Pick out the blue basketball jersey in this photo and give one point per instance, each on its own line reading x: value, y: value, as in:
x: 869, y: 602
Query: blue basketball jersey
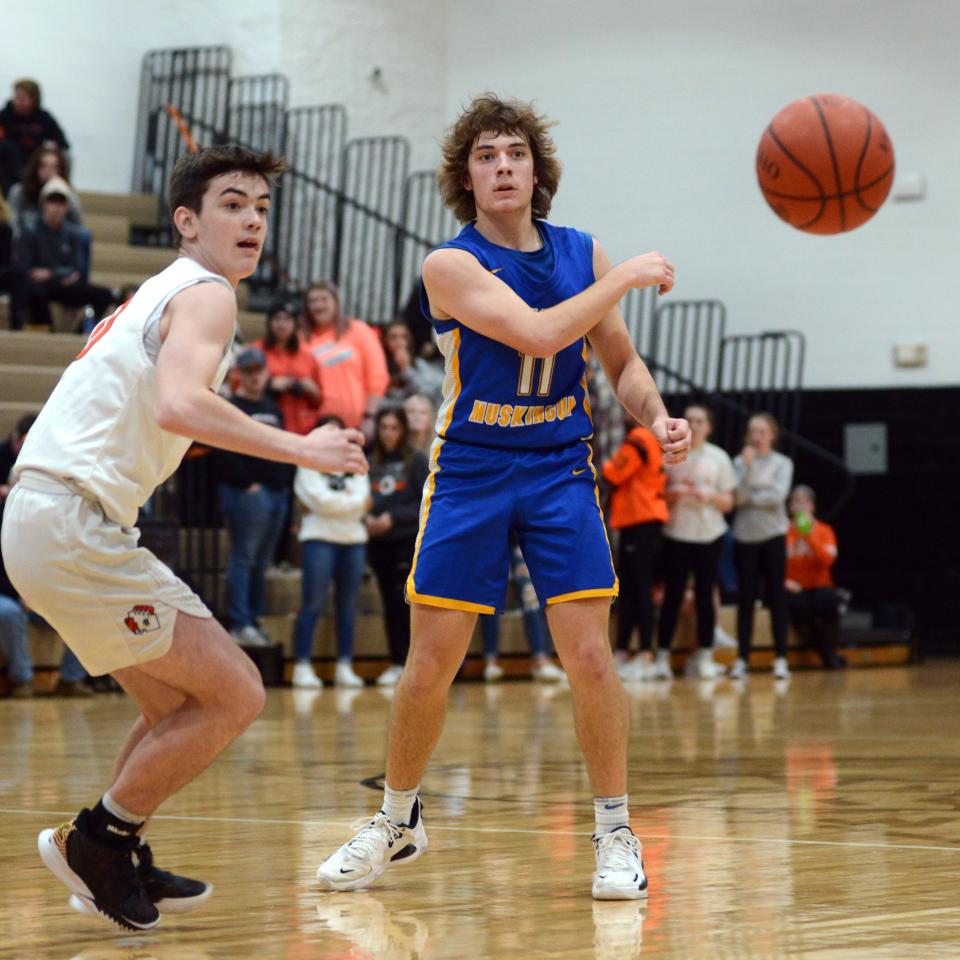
x: 492, y: 394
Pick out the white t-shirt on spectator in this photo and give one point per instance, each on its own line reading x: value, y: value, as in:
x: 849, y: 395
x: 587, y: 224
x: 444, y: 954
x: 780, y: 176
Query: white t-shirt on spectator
x: 707, y: 467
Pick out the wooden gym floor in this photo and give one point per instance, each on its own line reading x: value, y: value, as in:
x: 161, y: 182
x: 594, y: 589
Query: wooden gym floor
x: 817, y: 819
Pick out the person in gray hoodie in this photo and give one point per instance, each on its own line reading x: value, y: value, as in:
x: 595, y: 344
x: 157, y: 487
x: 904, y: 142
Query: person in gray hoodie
x: 759, y: 529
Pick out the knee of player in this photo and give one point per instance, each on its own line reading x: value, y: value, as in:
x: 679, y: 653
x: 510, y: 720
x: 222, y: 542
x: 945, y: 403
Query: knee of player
x: 590, y: 661
x: 424, y: 675
x: 246, y: 701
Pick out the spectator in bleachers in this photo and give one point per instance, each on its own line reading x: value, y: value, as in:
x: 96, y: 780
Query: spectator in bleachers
x: 24, y: 127
x: 699, y: 493
x: 294, y: 373
x: 52, y: 254
x: 638, y: 509
x: 24, y: 196
x: 13, y: 281
x: 534, y: 626
x: 397, y: 475
x: 10, y: 450
x: 759, y: 529
x: 333, y: 541
x: 409, y: 373
x: 421, y: 418
x: 811, y: 595
x: 353, y: 369
x: 254, y: 495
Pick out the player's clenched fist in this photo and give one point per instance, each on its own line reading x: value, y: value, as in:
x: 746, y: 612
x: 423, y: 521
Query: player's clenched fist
x: 331, y: 449
x: 673, y: 435
x: 652, y: 270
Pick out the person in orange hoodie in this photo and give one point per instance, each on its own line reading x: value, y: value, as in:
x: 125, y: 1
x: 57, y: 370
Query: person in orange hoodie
x: 638, y: 509
x: 813, y: 604
x: 353, y: 367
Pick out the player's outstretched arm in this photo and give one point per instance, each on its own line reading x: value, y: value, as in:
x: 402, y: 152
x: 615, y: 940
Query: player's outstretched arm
x: 196, y: 327
x: 631, y: 380
x: 458, y: 286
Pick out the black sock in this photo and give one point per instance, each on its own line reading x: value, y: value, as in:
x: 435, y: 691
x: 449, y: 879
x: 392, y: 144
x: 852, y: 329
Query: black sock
x: 102, y: 826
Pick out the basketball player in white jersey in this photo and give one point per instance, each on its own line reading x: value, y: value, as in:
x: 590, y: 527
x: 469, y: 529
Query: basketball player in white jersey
x: 116, y: 426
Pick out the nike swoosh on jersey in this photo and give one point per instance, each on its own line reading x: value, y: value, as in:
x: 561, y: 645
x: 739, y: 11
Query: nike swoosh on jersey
x: 496, y: 269
x: 577, y: 473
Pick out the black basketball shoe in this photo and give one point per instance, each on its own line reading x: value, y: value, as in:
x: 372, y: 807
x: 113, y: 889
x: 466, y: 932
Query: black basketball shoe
x: 169, y: 893
x: 102, y: 877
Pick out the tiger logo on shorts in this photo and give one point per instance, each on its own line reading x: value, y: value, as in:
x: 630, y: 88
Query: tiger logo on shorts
x: 142, y: 619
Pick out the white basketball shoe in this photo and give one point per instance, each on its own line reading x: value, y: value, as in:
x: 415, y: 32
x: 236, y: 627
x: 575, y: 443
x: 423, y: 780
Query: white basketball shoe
x: 619, y: 874
x: 379, y: 844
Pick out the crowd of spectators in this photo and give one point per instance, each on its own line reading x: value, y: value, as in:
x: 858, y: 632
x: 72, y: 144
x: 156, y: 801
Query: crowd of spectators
x: 671, y: 521
x: 315, y: 365
x: 672, y: 524
x: 44, y: 246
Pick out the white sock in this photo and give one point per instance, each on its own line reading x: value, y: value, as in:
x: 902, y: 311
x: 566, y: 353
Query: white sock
x: 121, y: 813
x: 610, y: 813
x: 398, y: 804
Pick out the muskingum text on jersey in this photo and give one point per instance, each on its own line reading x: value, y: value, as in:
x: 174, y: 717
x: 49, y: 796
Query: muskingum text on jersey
x: 520, y: 415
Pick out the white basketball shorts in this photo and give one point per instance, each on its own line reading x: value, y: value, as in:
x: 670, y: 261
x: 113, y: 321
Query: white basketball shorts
x: 113, y: 603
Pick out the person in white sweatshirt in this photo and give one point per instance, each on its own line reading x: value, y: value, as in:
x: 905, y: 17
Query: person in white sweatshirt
x: 333, y: 539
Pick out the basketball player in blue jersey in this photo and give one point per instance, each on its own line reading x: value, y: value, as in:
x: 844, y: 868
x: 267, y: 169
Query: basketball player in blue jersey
x: 512, y: 298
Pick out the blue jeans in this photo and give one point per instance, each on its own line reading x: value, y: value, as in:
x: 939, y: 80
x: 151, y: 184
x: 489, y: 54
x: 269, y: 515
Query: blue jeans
x: 71, y: 669
x: 13, y: 641
x: 343, y: 563
x: 533, y: 627
x: 255, y: 521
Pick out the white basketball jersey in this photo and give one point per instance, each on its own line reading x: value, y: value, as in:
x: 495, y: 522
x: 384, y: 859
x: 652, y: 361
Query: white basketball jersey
x: 99, y: 427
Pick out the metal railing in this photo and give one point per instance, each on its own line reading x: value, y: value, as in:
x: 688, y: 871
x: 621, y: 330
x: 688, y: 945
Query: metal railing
x: 346, y: 210
x: 639, y: 308
x: 764, y: 371
x: 306, y: 223
x: 423, y: 216
x: 687, y: 337
x: 370, y: 205
x: 195, y: 81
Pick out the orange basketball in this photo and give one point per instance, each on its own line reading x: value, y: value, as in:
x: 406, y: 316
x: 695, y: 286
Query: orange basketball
x: 825, y: 164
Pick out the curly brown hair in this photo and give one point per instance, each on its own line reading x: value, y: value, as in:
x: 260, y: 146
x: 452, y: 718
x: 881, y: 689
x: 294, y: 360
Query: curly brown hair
x: 487, y: 113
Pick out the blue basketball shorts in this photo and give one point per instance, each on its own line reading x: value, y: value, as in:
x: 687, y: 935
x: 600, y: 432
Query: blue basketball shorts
x: 475, y: 496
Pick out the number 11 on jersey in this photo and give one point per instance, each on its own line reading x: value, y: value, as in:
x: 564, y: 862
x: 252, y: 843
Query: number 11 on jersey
x: 528, y: 366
